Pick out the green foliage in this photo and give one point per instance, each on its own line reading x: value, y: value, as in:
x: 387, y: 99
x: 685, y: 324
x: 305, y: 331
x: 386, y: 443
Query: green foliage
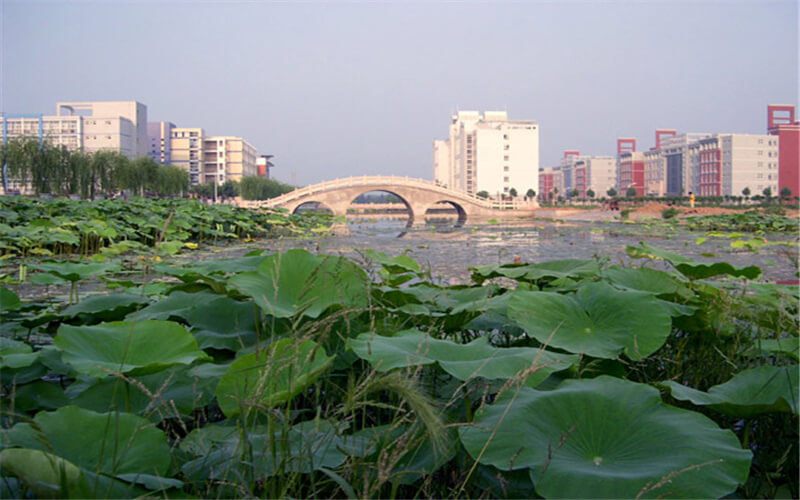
x: 482, y: 194
x: 669, y: 213
x: 530, y: 193
x: 590, y: 193
x: 50, y: 169
x: 512, y: 192
x: 259, y: 188
x: 611, y: 192
x: 309, y: 376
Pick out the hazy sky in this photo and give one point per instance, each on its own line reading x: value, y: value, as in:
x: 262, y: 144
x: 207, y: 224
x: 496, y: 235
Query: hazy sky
x: 356, y: 88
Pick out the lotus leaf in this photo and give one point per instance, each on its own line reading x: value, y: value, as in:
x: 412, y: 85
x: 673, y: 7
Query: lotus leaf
x: 46, y: 475
x: 597, y: 320
x: 175, y: 305
x: 15, y: 354
x: 690, y: 268
x: 106, y: 307
x: 410, y: 348
x: 788, y: 346
x: 172, y: 392
x: 271, y: 376
x: 550, y: 270
x: 607, y: 438
x: 645, y: 280
x: 297, y: 282
x: 75, y: 271
x: 120, y: 346
x: 759, y: 390
x: 110, y: 443
x: 8, y: 300
x: 306, y: 447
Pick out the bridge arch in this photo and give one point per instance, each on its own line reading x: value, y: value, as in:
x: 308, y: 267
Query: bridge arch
x: 417, y: 194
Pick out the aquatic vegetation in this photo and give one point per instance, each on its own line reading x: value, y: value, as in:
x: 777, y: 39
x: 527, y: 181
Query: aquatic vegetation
x: 299, y: 375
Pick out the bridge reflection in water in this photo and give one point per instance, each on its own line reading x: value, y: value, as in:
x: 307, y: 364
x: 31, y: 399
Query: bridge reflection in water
x: 417, y: 195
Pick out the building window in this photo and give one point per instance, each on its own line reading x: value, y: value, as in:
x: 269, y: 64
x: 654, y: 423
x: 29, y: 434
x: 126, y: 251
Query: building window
x: 505, y: 179
x: 506, y: 147
x: 505, y: 158
x: 505, y: 168
x: 505, y: 137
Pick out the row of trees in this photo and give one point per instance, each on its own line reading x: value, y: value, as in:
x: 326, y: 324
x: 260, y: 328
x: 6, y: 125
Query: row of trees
x: 51, y: 169
x: 250, y: 188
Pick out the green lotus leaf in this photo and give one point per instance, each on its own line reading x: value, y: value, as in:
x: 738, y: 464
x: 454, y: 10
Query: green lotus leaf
x: 46, y: 475
x: 306, y: 447
x: 107, y: 307
x: 75, y: 271
x: 690, y: 268
x: 645, y: 280
x: 211, y: 268
x: 175, y: 305
x: 788, y: 346
x: 550, y: 270
x: 127, y: 347
x: 39, y: 395
x: 597, y: 320
x: 16, y: 354
x: 8, y: 300
x: 272, y: 375
x: 173, y: 392
x: 607, y: 438
x: 410, y: 348
x: 297, y: 282
x: 110, y: 443
x: 759, y: 390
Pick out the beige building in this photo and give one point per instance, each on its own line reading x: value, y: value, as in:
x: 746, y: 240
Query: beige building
x: 211, y: 158
x: 488, y: 153
x: 726, y: 164
x: 227, y: 158
x: 88, y: 126
x: 601, y: 174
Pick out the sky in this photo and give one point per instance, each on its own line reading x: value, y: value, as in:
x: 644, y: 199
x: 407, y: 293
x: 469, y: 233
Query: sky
x: 334, y: 89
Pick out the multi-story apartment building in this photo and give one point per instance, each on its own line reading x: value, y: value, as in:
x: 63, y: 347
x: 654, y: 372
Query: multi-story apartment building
x: 212, y: 158
x: 630, y: 168
x: 677, y: 163
x: 227, y: 158
x: 488, y: 153
x: 725, y: 164
x: 781, y: 123
x: 87, y: 126
x: 186, y: 151
x: 551, y: 183
x: 601, y: 174
x: 159, y: 138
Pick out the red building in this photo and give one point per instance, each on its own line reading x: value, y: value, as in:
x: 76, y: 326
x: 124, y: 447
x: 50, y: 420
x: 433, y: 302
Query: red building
x: 781, y: 122
x: 710, y: 168
x: 630, y: 167
x: 579, y: 178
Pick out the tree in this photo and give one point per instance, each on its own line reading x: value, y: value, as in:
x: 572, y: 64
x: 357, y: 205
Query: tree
x: 746, y: 193
x: 590, y: 193
x: 612, y: 193
x: 574, y: 193
x: 482, y: 194
x: 530, y: 194
x: 630, y: 192
x: 229, y: 189
x: 767, y: 192
x: 259, y: 188
x: 786, y: 192
x: 512, y: 192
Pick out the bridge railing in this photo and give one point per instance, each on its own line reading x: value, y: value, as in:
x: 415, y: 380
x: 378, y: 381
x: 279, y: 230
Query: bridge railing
x: 367, y: 180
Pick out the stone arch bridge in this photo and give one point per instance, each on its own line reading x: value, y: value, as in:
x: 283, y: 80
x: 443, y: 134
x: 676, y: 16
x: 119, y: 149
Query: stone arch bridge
x: 418, y: 195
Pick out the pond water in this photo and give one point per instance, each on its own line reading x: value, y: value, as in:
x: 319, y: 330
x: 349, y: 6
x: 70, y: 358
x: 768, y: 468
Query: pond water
x: 448, y: 251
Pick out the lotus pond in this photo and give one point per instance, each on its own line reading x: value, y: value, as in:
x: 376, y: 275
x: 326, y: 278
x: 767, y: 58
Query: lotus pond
x: 636, y: 370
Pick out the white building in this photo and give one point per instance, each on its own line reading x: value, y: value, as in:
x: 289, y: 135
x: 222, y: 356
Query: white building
x: 212, y: 158
x: 88, y: 126
x: 726, y: 164
x: 488, y: 153
x: 159, y: 137
x: 601, y: 174
x: 676, y: 164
